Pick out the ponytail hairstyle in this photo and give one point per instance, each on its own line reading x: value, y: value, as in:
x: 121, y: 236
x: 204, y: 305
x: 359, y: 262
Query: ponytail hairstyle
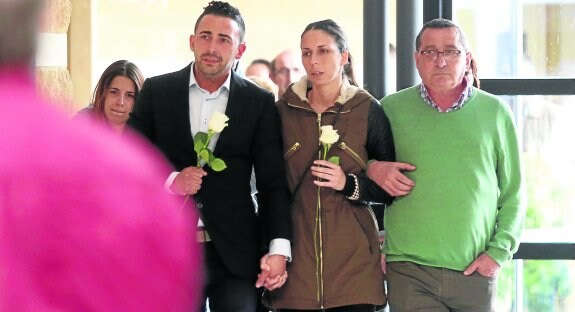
x: 472, y: 72
x: 332, y: 28
x: 348, y: 70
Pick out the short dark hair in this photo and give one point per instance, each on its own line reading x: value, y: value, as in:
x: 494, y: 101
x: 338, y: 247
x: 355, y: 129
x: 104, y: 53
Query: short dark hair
x: 18, y: 30
x: 439, y: 23
x: 221, y: 8
x: 263, y: 62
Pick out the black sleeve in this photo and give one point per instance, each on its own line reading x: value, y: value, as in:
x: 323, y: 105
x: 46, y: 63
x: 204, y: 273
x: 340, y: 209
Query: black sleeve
x: 141, y: 117
x: 271, y: 178
x: 379, y: 147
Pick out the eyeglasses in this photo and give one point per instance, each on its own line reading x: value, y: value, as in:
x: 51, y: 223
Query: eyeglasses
x: 448, y: 55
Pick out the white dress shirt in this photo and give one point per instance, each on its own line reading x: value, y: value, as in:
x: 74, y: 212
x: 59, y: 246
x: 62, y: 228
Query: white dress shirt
x: 202, y: 105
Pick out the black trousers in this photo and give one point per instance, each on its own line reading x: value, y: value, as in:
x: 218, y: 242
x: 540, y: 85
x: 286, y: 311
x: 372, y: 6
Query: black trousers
x: 350, y: 308
x: 226, y: 292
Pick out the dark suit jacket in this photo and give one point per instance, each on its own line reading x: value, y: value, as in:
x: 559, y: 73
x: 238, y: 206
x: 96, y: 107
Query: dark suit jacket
x: 252, y: 138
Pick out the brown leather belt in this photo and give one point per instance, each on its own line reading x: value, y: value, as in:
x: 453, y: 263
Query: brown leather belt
x: 202, y: 236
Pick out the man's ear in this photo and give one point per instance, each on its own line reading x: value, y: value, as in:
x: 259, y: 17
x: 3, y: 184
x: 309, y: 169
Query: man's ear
x: 241, y: 50
x: 192, y: 38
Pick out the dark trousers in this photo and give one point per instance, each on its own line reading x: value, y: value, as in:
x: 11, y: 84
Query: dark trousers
x: 413, y: 287
x: 350, y: 308
x: 261, y: 306
x: 226, y: 292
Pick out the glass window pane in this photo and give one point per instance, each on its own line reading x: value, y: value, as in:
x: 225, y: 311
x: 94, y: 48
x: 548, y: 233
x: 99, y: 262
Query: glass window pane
x: 546, y: 128
x: 546, y: 286
x: 520, y: 38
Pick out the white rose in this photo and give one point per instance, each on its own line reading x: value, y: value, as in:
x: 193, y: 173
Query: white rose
x: 328, y: 135
x: 218, y: 122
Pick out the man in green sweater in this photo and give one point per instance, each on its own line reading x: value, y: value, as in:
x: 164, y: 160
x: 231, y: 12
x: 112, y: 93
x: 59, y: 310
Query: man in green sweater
x: 459, y: 215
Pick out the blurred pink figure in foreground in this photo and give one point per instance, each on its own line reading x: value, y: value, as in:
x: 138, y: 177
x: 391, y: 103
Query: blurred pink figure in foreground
x: 85, y: 224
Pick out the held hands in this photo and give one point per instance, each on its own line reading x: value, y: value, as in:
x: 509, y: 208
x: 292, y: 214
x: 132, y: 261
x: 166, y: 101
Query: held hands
x: 329, y: 174
x: 188, y: 181
x: 484, y: 265
x: 273, y: 274
x: 383, y: 264
x: 389, y: 176
x: 382, y: 260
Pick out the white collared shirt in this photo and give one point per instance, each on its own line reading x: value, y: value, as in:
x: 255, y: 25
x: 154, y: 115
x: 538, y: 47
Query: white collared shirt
x: 201, y: 106
x: 203, y: 103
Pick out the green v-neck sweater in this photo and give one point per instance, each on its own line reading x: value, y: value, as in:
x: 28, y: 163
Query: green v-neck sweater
x: 467, y: 197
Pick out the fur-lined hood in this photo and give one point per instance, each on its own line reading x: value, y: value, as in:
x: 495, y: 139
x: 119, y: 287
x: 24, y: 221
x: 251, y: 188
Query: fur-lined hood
x: 349, y: 95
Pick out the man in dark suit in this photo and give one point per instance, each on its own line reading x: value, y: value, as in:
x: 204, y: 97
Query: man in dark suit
x: 171, y: 108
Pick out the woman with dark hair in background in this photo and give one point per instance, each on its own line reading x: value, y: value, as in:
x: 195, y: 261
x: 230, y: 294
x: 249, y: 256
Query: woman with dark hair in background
x: 115, y: 94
